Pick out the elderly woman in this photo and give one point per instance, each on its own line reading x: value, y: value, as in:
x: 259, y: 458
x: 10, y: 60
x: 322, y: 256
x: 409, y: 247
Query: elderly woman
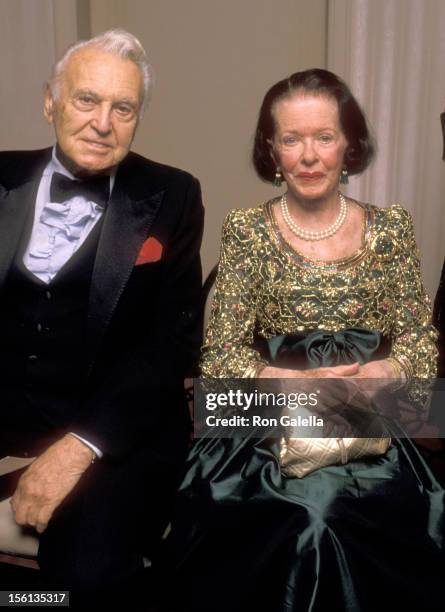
x: 362, y: 536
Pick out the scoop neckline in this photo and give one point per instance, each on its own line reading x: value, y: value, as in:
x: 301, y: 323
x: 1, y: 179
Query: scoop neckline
x: 328, y: 265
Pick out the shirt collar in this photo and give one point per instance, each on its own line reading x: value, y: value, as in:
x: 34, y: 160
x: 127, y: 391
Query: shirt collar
x: 55, y: 165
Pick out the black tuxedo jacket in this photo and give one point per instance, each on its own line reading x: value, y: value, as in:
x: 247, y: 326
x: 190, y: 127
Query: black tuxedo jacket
x: 143, y: 328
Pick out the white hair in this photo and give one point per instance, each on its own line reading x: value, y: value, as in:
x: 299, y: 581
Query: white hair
x: 120, y: 43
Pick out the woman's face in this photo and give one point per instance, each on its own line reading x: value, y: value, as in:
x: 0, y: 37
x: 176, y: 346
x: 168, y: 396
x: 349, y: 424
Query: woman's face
x: 309, y: 145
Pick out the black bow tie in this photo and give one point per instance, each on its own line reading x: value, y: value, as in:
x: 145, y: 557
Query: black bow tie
x: 94, y: 188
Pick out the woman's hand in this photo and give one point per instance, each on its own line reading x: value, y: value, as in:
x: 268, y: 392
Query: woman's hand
x: 333, y: 372
x: 376, y: 369
x: 332, y: 396
x: 378, y: 375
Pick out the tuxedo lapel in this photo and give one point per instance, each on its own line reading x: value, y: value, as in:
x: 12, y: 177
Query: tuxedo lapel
x: 15, y: 205
x: 126, y: 226
x: 18, y: 193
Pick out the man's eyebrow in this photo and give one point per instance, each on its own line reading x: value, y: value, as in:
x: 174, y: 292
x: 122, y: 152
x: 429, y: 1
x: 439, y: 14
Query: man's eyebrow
x: 131, y: 102
x: 90, y: 92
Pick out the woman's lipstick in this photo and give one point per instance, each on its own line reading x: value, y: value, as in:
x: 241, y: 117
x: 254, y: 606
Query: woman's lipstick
x: 310, y: 176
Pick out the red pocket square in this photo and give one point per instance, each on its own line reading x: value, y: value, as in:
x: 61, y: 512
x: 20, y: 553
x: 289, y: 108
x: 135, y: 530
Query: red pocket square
x: 151, y: 251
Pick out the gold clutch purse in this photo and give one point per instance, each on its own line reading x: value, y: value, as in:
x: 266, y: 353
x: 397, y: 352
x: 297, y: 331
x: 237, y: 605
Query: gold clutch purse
x: 301, y: 456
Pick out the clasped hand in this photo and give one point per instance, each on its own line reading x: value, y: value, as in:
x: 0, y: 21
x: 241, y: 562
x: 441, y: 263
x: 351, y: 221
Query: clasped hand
x: 344, y: 399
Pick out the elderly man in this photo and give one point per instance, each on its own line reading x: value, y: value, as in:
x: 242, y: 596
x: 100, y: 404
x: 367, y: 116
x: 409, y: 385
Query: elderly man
x: 100, y: 280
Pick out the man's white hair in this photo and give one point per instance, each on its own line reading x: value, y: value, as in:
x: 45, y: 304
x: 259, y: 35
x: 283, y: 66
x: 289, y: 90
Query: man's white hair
x: 119, y: 42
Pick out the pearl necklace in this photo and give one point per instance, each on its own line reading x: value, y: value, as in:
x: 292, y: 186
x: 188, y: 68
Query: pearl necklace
x: 309, y: 235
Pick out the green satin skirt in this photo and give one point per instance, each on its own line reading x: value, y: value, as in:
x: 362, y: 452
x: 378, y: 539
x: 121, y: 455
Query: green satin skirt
x: 366, y: 536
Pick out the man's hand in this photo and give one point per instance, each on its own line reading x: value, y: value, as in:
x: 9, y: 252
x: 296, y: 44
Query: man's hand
x: 48, y: 480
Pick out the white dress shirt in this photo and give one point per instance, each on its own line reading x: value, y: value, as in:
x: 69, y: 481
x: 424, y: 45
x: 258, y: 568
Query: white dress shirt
x: 59, y: 228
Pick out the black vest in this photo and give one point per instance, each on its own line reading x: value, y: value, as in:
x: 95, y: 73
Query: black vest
x: 43, y: 343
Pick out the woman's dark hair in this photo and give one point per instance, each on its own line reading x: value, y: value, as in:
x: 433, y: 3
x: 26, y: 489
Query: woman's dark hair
x: 360, y: 149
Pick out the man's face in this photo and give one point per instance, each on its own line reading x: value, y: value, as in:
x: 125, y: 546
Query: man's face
x: 96, y: 113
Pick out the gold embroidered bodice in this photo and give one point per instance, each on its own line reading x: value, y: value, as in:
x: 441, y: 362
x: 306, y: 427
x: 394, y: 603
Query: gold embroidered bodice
x: 265, y: 287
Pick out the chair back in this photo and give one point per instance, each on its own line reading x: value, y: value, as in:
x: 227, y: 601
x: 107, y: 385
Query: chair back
x: 14, y: 539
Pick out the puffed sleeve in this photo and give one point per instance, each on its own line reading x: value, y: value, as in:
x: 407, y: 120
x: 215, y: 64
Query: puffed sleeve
x: 414, y: 337
x: 227, y: 350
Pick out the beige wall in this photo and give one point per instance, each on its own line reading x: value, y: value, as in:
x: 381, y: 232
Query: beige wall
x: 33, y: 33
x: 214, y: 61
